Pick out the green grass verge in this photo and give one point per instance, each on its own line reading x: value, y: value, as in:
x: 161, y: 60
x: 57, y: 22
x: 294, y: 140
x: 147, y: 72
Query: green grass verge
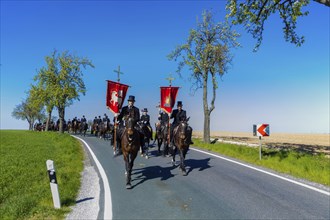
x: 315, y: 168
x: 25, y: 190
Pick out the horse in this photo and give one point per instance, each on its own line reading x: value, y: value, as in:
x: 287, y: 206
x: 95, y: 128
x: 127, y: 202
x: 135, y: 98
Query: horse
x: 75, y: 126
x: 162, y: 137
x: 83, y: 128
x: 105, y: 129
x: 181, y: 140
x: 38, y: 127
x: 119, y: 131
x: 130, y: 144
x: 145, y: 138
x: 94, y: 129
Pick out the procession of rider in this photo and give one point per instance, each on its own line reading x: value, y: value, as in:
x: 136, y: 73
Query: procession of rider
x: 145, y: 119
x: 163, y: 120
x: 179, y: 115
x: 126, y: 111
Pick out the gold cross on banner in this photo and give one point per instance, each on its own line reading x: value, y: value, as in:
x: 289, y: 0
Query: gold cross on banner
x: 170, y: 79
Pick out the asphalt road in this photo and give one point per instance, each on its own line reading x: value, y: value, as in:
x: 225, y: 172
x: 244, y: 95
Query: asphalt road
x: 214, y: 188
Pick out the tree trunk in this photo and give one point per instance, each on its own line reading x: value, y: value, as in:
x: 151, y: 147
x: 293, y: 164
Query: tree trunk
x: 61, y: 113
x: 30, y: 125
x: 48, y: 120
x: 31, y: 122
x: 206, y: 133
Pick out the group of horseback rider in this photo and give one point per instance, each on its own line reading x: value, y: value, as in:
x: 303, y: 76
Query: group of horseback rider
x: 177, y: 115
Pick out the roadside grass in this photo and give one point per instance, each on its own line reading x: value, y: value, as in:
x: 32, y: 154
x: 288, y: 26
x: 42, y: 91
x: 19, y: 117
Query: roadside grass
x: 315, y: 168
x: 25, y: 189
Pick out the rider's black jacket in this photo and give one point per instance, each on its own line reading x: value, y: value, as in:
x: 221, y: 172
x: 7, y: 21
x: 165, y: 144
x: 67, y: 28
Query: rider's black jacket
x: 125, y: 111
x: 178, y: 116
x: 163, y: 117
x: 145, y: 119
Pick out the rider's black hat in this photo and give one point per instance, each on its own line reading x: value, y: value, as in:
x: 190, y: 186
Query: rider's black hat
x: 145, y: 110
x: 179, y: 103
x: 131, y: 98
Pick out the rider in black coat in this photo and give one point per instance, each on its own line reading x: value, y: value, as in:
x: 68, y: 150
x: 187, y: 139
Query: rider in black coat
x: 179, y: 115
x: 163, y: 118
x: 126, y: 110
x: 145, y: 118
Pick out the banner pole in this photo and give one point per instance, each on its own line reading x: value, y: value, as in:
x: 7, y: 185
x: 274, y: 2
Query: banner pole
x: 115, y: 136
x: 169, y: 129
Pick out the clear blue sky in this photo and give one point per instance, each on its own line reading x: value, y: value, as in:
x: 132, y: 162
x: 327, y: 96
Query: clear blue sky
x: 283, y: 85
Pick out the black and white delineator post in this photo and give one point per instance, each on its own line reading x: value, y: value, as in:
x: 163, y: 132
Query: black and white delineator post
x: 53, y: 183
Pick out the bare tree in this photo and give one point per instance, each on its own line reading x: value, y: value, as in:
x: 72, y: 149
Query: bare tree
x: 207, y: 54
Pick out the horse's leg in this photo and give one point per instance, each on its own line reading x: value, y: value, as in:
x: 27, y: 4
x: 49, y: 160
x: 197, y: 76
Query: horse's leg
x: 146, y: 147
x: 166, y: 149
x: 128, y: 170
x: 182, y: 166
x: 141, y: 145
x: 173, y: 154
x: 160, y: 142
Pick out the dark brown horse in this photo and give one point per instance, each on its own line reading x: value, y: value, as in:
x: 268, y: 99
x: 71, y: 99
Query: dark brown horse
x: 75, y: 126
x: 182, y: 138
x: 145, y: 135
x: 162, y: 131
x: 130, y: 144
x: 83, y: 128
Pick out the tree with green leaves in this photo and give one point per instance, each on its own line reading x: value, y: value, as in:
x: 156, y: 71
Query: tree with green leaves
x: 30, y: 109
x: 207, y: 55
x: 44, y: 87
x: 253, y: 14
x: 62, y: 81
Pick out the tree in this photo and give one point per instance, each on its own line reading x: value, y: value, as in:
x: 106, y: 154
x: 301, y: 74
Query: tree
x: 206, y: 53
x: 28, y: 110
x: 45, y: 79
x: 253, y: 14
x: 62, y: 80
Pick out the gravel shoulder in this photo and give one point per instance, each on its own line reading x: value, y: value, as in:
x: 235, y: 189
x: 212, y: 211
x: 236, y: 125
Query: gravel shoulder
x: 87, y: 203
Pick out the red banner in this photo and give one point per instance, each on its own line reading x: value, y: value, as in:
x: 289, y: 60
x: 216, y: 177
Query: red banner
x: 116, y: 93
x: 167, y: 98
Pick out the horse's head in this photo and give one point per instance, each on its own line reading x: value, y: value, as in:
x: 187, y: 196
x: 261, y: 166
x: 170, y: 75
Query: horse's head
x: 182, y: 129
x: 129, y: 124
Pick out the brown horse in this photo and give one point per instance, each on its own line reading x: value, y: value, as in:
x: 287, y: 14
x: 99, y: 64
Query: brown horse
x: 162, y: 131
x: 75, y: 126
x: 83, y: 128
x: 145, y: 134
x: 182, y: 138
x: 130, y: 144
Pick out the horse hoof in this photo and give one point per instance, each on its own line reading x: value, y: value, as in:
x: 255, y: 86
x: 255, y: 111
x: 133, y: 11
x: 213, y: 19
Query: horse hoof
x: 184, y: 173
x: 128, y: 186
x: 147, y: 157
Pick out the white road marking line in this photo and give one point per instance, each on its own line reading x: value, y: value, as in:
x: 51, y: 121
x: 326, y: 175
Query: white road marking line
x: 106, y: 186
x: 263, y: 171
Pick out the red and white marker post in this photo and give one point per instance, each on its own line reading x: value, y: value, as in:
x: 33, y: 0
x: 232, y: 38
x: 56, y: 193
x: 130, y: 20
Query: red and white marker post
x: 261, y: 130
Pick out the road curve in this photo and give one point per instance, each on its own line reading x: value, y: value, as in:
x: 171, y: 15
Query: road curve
x: 214, y: 188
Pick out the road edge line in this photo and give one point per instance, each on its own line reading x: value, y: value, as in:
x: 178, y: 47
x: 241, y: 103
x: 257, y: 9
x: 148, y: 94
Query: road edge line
x: 106, y: 186
x: 266, y: 172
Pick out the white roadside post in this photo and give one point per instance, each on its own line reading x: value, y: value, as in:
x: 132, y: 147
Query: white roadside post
x: 260, y: 130
x: 53, y: 183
